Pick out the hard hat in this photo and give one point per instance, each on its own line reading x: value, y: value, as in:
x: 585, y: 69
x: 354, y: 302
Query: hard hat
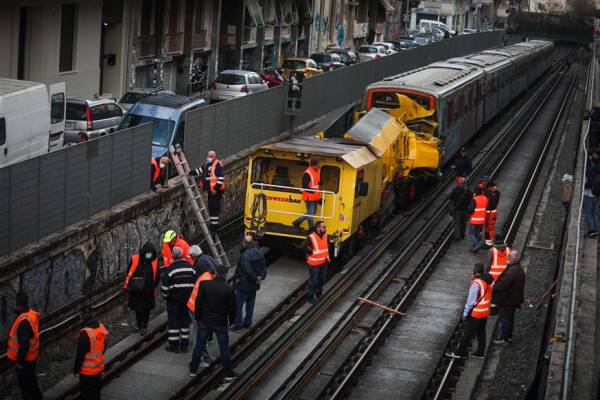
x: 169, y: 236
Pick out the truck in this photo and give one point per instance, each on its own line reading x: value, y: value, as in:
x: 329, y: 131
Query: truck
x: 32, y: 119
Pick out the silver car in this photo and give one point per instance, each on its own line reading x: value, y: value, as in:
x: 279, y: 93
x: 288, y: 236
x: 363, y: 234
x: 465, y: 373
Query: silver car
x: 231, y: 84
x: 92, y: 118
x: 372, y: 52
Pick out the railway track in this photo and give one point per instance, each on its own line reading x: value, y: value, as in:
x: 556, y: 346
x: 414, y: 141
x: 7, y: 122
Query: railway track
x: 355, y: 360
x: 267, y: 326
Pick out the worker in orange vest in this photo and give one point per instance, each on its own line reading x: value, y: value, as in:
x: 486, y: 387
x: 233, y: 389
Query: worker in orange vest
x: 475, y: 313
x: 212, y: 181
x: 24, y: 347
x: 499, y: 257
x: 311, y: 195
x: 140, y: 282
x: 158, y: 172
x: 477, y: 218
x: 89, y: 359
x: 317, y: 256
x: 493, y: 195
x: 170, y: 241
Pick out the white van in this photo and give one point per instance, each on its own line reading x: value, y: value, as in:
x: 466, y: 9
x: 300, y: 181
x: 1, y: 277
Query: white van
x: 32, y: 119
x: 426, y: 23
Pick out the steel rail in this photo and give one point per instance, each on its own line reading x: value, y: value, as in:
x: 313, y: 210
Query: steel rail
x: 300, y: 376
x: 516, y: 212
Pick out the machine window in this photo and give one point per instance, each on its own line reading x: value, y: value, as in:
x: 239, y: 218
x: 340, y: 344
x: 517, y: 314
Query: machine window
x: 288, y: 173
x: 2, y: 131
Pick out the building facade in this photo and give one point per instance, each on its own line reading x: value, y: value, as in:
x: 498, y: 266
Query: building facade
x: 105, y: 47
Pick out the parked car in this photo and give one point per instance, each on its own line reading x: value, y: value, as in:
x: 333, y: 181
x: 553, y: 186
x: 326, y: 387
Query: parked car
x: 412, y: 33
x: 424, y: 23
x: 405, y: 43
x: 468, y: 31
x: 348, y: 57
x: 422, y: 39
x: 32, y: 119
x: 327, y: 61
x: 95, y: 118
x: 234, y: 83
x: 435, y: 33
x: 134, y: 95
x: 305, y: 65
x: 166, y: 113
x: 273, y: 76
x: 390, y: 48
x: 371, y: 52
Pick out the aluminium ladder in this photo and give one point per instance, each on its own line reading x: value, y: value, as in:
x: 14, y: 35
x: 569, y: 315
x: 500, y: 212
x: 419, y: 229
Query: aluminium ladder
x: 198, y: 204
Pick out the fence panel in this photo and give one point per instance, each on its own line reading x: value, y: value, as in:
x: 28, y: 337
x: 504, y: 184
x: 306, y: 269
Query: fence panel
x: 46, y: 194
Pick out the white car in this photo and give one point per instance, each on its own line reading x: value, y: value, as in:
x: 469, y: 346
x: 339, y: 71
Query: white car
x: 371, y: 52
x: 231, y: 84
x: 389, y: 47
x: 468, y: 31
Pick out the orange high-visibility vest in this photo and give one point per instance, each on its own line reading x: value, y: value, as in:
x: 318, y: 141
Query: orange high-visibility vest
x: 315, y: 179
x: 156, y: 170
x: 93, y: 362
x: 482, y: 307
x: 135, y: 260
x: 191, y: 304
x: 33, y: 318
x: 213, y: 179
x: 168, y: 253
x: 499, y: 262
x: 478, y: 216
x: 320, y: 250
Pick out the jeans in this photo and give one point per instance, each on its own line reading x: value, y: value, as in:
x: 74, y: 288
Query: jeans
x: 590, y: 207
x: 241, y: 298
x: 506, y: 318
x: 317, y: 276
x: 460, y: 221
x: 202, y: 337
x: 474, y: 327
x: 475, y: 234
x: 311, y: 209
x: 28, y: 381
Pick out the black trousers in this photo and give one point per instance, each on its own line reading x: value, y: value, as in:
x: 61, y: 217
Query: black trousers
x: 90, y: 386
x: 214, y: 208
x: 28, y: 381
x: 473, y: 327
x: 179, y: 324
x: 460, y: 221
x: 506, y: 318
x: 142, y: 318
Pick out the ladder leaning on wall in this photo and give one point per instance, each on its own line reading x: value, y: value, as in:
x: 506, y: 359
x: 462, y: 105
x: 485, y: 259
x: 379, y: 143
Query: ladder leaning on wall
x: 198, y: 205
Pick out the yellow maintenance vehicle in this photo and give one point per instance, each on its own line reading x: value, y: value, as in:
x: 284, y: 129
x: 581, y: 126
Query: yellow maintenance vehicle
x: 365, y: 174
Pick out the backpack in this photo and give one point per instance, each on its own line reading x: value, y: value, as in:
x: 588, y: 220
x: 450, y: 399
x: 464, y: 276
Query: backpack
x: 595, y: 185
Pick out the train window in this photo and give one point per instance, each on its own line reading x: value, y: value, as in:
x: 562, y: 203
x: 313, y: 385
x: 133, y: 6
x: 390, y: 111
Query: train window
x: 467, y: 100
x: 459, y: 106
x: 449, y: 113
x: 330, y: 178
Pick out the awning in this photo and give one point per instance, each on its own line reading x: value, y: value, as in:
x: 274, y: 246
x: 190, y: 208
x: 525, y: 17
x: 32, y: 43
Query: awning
x: 387, y: 5
x: 254, y: 11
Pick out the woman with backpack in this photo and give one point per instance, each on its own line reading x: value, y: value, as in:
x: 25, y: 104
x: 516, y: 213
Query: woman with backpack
x: 141, y: 282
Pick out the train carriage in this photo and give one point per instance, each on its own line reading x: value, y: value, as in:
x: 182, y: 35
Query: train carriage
x: 453, y: 91
x: 519, y: 63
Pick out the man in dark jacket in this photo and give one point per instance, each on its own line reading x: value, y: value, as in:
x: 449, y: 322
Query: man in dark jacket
x: 250, y: 272
x: 463, y: 165
x: 215, y: 310
x: 177, y: 285
x: 460, y: 199
x: 508, y: 296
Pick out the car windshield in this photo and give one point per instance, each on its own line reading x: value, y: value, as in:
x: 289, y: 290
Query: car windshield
x: 294, y: 64
x: 76, y: 111
x: 231, y: 79
x: 161, y: 128
x: 132, y: 97
x: 370, y: 50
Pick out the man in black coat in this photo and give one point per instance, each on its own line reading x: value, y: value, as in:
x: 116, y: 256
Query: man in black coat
x: 250, y: 272
x: 463, y: 165
x: 508, y: 296
x: 460, y: 199
x: 215, y: 310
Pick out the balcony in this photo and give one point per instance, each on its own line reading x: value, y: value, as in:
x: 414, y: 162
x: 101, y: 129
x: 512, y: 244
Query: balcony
x: 269, y: 33
x: 146, y: 46
x: 200, y: 40
x: 249, y: 35
x: 174, y: 43
x: 286, y: 32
